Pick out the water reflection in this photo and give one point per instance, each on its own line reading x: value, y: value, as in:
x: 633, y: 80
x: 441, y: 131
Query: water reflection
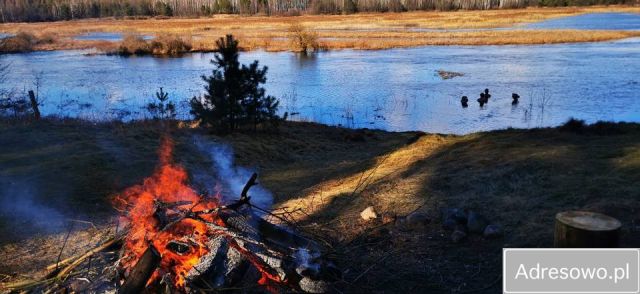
x: 592, y: 21
x: 395, y: 89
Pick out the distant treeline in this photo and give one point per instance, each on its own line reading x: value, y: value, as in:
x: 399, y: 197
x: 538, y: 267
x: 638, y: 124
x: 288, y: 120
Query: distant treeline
x: 49, y: 10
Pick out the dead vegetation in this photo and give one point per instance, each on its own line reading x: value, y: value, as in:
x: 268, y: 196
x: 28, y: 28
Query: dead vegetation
x: 25, y: 42
x: 520, y: 178
x: 354, y: 31
x: 445, y: 75
x: 303, y: 40
x: 163, y: 45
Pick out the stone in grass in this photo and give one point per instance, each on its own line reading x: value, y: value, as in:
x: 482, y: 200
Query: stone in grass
x: 451, y: 217
x: 417, y: 219
x: 368, y: 213
x: 413, y: 221
x: 458, y: 236
x: 476, y: 223
x: 493, y: 231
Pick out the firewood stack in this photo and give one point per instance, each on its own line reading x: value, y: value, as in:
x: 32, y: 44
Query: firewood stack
x: 245, y: 252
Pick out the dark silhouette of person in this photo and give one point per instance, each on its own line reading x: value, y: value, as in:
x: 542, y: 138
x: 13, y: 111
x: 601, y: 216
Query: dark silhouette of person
x: 464, y: 100
x: 482, y: 100
x: 515, y: 98
x: 487, y: 95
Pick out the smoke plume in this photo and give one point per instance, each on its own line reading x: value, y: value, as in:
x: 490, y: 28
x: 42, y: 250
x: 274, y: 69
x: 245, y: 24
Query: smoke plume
x: 230, y: 178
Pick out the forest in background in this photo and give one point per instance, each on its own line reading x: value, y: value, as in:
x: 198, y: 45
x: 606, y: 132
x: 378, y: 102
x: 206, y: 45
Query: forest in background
x: 52, y: 10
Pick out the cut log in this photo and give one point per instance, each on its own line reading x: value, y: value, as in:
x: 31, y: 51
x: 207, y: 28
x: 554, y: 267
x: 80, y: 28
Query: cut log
x: 141, y: 272
x: 583, y: 229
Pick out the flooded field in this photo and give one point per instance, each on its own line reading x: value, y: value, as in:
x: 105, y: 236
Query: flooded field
x: 397, y: 89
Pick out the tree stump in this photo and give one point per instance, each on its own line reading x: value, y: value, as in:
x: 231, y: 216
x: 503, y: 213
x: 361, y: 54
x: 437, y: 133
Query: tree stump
x: 34, y: 105
x: 583, y: 229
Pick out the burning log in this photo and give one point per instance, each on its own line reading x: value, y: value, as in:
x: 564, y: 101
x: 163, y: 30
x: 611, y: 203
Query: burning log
x: 199, y: 244
x: 141, y: 272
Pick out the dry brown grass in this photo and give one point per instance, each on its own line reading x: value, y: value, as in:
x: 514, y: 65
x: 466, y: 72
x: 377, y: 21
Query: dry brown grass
x: 163, y: 45
x: 26, y: 41
x: 357, y: 31
x: 517, y: 178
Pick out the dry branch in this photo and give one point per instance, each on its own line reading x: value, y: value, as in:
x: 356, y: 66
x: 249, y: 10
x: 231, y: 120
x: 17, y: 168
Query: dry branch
x: 65, y: 271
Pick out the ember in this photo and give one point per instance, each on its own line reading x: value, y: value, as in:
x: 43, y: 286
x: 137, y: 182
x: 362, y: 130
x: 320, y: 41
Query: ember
x: 182, y: 240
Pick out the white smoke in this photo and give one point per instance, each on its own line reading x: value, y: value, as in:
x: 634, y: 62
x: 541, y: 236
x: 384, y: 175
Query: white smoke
x: 230, y: 178
x: 304, y: 258
x: 20, y: 206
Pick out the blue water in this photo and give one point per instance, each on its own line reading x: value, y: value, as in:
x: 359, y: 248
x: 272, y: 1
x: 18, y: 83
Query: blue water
x: 591, y: 21
x: 102, y: 36
x: 395, y: 89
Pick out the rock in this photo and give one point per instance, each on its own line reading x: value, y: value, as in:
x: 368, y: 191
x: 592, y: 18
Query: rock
x: 493, y: 231
x: 452, y: 217
x: 476, y: 223
x: 458, y: 236
x: 413, y: 221
x: 368, y: 213
x: 449, y: 224
x: 417, y: 219
x: 309, y: 285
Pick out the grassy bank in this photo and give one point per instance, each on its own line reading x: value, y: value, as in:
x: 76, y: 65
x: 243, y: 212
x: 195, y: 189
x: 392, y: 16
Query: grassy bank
x: 357, y: 31
x: 518, y: 178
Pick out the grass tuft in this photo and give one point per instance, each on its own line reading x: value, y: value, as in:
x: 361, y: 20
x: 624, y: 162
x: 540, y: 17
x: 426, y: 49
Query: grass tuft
x: 164, y: 45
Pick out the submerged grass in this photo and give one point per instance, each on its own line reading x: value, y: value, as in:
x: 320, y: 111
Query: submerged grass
x: 518, y: 178
x: 356, y: 31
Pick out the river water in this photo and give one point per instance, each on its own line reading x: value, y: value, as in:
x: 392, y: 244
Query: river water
x: 397, y: 89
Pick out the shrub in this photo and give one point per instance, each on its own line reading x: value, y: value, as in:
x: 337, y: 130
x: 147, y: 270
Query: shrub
x: 169, y: 45
x: 16, y: 106
x: 162, y: 108
x: 574, y: 126
x: 234, y: 95
x: 133, y: 44
x: 303, y: 40
x: 21, y: 42
x: 162, y: 45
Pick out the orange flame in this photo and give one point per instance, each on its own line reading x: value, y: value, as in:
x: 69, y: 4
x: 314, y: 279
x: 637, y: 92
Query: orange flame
x: 167, y: 192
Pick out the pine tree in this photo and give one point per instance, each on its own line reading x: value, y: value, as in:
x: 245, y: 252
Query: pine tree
x: 234, y: 95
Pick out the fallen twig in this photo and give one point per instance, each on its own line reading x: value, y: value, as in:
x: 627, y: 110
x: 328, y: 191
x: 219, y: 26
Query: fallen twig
x: 64, y: 244
x: 64, y: 272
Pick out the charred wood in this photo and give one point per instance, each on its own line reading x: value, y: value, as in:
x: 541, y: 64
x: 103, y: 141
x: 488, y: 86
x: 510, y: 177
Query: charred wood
x: 141, y: 272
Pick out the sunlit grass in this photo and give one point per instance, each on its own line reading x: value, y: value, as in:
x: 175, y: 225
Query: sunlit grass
x: 358, y: 31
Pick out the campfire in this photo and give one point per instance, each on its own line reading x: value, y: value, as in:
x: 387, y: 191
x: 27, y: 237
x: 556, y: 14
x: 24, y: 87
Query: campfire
x: 182, y: 240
